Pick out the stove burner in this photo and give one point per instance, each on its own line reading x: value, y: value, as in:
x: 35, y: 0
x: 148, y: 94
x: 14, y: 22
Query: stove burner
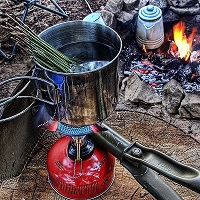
x: 86, y: 150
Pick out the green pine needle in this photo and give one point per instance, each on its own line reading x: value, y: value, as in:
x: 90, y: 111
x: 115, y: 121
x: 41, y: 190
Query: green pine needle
x: 45, y: 54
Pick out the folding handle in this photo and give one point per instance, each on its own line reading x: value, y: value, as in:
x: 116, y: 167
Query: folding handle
x: 136, y: 154
x: 114, y: 143
x: 165, y: 165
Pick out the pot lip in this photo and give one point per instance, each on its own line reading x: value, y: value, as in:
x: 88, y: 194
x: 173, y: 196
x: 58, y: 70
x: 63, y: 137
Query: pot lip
x: 87, y: 72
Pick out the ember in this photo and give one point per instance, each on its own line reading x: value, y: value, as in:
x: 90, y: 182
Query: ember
x: 176, y: 59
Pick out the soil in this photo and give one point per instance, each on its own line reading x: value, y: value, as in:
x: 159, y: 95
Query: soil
x: 145, y: 129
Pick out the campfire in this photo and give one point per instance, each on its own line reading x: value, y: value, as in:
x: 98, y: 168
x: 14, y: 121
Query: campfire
x: 182, y: 45
x: 175, y: 59
x: 163, y: 81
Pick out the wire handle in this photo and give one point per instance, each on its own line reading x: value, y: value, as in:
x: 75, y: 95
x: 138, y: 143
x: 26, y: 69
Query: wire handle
x: 18, y: 95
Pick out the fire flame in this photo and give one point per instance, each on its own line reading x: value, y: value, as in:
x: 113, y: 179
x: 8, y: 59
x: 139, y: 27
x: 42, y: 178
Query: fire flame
x: 183, y: 43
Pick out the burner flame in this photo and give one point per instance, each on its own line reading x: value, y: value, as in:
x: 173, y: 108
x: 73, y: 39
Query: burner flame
x: 183, y: 43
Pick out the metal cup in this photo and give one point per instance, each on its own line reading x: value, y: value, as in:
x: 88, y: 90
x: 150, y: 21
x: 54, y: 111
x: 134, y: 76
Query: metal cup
x: 91, y: 96
x: 94, y: 17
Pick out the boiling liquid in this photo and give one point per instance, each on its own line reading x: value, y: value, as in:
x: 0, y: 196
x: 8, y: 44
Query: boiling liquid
x: 88, y: 66
x: 93, y: 55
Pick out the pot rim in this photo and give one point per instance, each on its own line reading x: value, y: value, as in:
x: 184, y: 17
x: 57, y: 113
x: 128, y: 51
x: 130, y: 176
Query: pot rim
x: 90, y: 71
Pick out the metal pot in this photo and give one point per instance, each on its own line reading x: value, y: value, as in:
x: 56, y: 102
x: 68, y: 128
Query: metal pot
x: 89, y: 96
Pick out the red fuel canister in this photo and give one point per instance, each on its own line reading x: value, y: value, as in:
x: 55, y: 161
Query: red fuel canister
x: 85, y: 179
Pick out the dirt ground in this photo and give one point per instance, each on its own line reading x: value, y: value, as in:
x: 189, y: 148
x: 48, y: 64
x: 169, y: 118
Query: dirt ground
x: 32, y: 183
x: 38, y: 20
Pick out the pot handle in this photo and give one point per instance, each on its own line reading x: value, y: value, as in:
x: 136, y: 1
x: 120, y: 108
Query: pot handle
x: 138, y: 155
x: 18, y: 95
x: 165, y: 165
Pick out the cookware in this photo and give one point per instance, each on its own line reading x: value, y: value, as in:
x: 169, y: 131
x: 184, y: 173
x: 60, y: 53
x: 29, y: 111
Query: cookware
x: 150, y: 31
x: 88, y: 94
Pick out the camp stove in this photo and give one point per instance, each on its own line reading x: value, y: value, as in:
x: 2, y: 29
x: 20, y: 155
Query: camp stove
x: 78, y: 168
x: 81, y: 163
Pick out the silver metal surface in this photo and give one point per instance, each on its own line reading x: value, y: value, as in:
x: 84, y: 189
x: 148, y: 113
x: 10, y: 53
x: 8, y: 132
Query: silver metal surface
x: 21, y: 132
x: 90, y: 96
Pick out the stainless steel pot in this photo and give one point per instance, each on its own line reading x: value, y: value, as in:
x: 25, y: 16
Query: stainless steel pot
x: 90, y: 96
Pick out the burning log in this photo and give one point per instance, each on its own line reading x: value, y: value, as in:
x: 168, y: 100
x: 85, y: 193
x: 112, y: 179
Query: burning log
x: 183, y: 44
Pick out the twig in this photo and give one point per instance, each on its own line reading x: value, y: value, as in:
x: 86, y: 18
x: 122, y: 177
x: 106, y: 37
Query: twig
x: 43, y: 53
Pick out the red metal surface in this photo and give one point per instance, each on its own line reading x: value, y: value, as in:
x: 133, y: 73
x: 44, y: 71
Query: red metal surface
x: 70, y: 181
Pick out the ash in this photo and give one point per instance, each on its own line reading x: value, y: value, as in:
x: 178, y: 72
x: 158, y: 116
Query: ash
x: 156, y: 68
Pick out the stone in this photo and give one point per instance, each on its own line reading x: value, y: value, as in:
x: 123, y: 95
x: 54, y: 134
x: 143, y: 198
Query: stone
x: 182, y: 3
x: 190, y: 106
x: 172, y: 95
x: 195, y: 127
x: 114, y: 6
x: 125, y: 17
x: 170, y: 16
x: 109, y: 18
x: 137, y: 91
x: 191, y: 21
x: 143, y: 193
x: 159, y: 3
x: 195, y: 19
x: 194, y: 10
x: 3, y: 20
x: 130, y: 5
x: 142, y: 4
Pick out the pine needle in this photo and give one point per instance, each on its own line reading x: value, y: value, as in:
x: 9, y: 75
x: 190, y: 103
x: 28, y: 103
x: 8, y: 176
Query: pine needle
x: 42, y: 52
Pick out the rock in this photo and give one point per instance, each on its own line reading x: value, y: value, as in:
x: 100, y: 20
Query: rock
x: 137, y: 91
x: 172, y: 95
x: 142, y: 4
x: 159, y: 3
x: 109, y: 18
x: 182, y: 3
x: 114, y: 6
x: 186, y: 10
x: 125, y: 17
x: 191, y: 21
x: 195, y: 127
x: 190, y: 106
x: 143, y: 193
x: 130, y: 5
x: 3, y: 20
x: 170, y: 16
